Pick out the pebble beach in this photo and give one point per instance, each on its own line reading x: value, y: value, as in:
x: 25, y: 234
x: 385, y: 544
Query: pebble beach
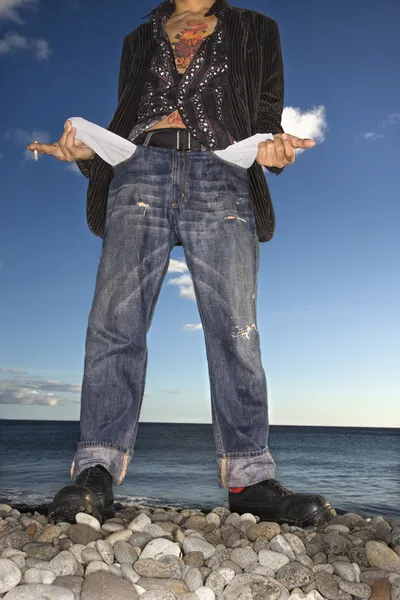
x: 168, y: 554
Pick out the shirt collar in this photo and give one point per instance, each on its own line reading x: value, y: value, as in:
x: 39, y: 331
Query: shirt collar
x: 167, y: 7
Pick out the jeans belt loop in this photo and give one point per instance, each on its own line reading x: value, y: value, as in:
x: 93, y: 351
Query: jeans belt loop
x: 148, y: 138
x: 177, y: 139
x: 189, y: 140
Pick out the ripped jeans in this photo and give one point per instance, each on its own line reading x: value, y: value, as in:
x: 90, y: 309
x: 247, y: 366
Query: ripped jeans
x: 159, y: 198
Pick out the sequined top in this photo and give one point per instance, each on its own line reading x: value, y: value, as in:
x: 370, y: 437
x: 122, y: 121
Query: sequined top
x: 206, y: 112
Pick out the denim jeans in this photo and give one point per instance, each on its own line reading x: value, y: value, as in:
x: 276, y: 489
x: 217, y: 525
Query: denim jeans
x: 158, y: 198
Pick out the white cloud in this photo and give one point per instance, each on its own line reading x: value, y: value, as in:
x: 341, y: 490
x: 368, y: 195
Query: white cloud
x: 371, y: 135
x: 185, y: 285
x: 393, y: 119
x: 177, y: 266
x: 172, y: 391
x: 42, y: 48
x: 30, y: 390
x: 192, y: 327
x: 305, y: 124
x: 14, y: 41
x: 9, y: 9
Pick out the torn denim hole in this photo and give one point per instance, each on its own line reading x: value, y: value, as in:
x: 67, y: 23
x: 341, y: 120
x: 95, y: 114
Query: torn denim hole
x: 244, y: 332
x: 145, y: 206
x: 235, y: 217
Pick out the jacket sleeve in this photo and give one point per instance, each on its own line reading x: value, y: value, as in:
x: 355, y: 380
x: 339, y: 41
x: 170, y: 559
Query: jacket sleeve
x: 272, y: 90
x: 125, y: 63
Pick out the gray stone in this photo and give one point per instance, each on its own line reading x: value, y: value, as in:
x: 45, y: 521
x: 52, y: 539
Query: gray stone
x: 243, y: 556
x: 195, y: 544
x: 295, y: 543
x: 345, y: 570
x: 63, y: 564
x: 90, y: 554
x: 176, y: 565
x: 42, y: 551
x: 124, y: 535
x: 17, y: 538
x: 232, y: 565
x: 326, y: 585
x: 106, y: 551
x: 124, y: 552
x: 149, y: 567
x: 140, y: 540
x: 205, y: 593
x: 305, y: 560
x: 279, y: 544
x: 116, y: 570
x: 173, y: 585
x: 18, y: 560
x: 105, y: 586
x: 83, y: 534
x: 337, y: 527
x: 46, y: 577
x: 139, y: 523
x: 10, y: 575
x: 382, y: 557
x: 85, y: 519
x: 264, y: 529
x: 294, y: 575
x: 76, y: 551
x: 193, y: 578
x: 39, y: 591
x: 195, y: 559
x: 334, y: 543
x: 95, y: 566
x: 359, y: 590
x: 328, y: 568
x: 357, y: 555
x: 187, y: 596
x: 35, y: 563
x: 273, y: 560
x: 128, y: 573
x: 158, y: 595
x: 371, y: 575
x: 254, y: 587
x: 216, y: 582
x: 396, y: 590
x: 32, y: 576
x: 71, y: 582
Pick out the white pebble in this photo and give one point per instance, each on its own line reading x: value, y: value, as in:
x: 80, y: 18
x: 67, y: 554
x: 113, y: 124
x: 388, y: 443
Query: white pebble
x: 39, y: 591
x: 96, y: 565
x: 205, y: 593
x: 85, y: 519
x: 273, y: 560
x: 106, y: 551
x: 10, y: 575
x: 32, y: 576
x: 160, y: 547
x: 248, y: 517
x: 47, y: 577
x: 227, y: 573
x: 76, y: 551
x: 5, y: 507
x: 128, y: 573
x: 123, y: 535
x: 139, y: 522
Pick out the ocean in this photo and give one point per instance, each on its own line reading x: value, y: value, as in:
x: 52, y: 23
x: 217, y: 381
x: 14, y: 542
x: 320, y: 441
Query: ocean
x: 357, y: 469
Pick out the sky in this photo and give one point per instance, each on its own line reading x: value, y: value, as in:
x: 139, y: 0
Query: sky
x: 329, y: 291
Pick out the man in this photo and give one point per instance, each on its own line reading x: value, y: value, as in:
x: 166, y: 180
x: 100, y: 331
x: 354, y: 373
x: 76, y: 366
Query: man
x: 198, y: 76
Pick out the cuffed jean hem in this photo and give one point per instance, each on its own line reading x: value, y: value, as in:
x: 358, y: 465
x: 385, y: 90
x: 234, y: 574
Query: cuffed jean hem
x: 90, y: 454
x: 241, y: 470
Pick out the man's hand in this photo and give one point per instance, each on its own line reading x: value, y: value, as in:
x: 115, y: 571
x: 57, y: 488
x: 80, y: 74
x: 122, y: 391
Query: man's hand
x: 280, y: 151
x: 67, y: 148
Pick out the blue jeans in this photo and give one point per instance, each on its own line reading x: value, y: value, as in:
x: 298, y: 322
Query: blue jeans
x: 158, y: 198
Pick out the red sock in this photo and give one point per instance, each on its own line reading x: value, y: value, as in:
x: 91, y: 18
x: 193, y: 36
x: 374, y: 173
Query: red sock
x: 236, y: 490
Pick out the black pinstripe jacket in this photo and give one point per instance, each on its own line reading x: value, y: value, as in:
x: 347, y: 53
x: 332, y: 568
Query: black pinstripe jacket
x: 255, y: 83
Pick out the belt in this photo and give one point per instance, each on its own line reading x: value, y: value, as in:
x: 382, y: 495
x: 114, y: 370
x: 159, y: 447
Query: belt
x: 169, y: 137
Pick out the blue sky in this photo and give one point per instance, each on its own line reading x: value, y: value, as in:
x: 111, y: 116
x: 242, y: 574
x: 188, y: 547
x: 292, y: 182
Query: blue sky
x: 329, y: 292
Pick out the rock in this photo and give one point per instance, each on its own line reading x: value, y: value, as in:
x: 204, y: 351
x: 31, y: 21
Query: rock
x: 326, y: 585
x: 295, y: 543
x: 32, y: 576
x: 359, y: 590
x: 160, y: 547
x: 76, y: 551
x: 18, y: 560
x: 294, y: 575
x: 216, y: 581
x: 188, y: 596
x: 128, y: 573
x: 106, y: 551
x: 273, y: 560
x: 357, y: 555
x: 115, y: 570
x: 148, y: 567
x: 328, y: 568
x: 337, y: 527
x: 49, y: 532
x: 39, y: 591
x: 395, y: 590
x: 47, y: 577
x: 312, y: 595
x: 117, y: 536
x: 345, y: 570
x: 97, y: 565
x: 5, y: 507
x: 334, y: 543
x: 193, y: 578
x: 83, y: 534
x: 382, y: 557
x: 140, y: 540
x: 232, y: 565
x: 195, y: 544
x: 85, y: 519
x: 42, y: 551
x: 17, y: 538
x: 158, y: 595
x: 156, y: 531
x: 381, y: 590
x: 71, y: 582
x: 305, y: 560
x: 371, y: 575
x: 10, y: 575
x: 139, y: 522
x: 63, y: 564
x: 254, y: 587
x: 243, y: 556
x: 89, y: 554
x: 205, y: 593
x: 264, y: 529
x: 199, y: 523
x: 105, y: 586
x: 173, y: 585
x: 176, y: 565
x: 124, y: 552
x: 279, y: 544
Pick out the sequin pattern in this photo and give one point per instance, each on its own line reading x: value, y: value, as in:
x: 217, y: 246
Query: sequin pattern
x: 166, y: 90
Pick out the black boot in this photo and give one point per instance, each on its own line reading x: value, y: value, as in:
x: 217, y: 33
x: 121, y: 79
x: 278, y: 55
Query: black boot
x: 91, y: 493
x: 272, y: 502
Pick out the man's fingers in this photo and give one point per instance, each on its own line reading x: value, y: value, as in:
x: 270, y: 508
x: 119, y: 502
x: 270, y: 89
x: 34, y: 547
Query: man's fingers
x: 63, y: 141
x: 279, y: 149
x: 288, y: 149
x: 70, y: 143
x: 44, y: 148
x: 302, y: 143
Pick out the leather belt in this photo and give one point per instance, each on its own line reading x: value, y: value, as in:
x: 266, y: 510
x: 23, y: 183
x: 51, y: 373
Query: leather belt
x: 169, y: 137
